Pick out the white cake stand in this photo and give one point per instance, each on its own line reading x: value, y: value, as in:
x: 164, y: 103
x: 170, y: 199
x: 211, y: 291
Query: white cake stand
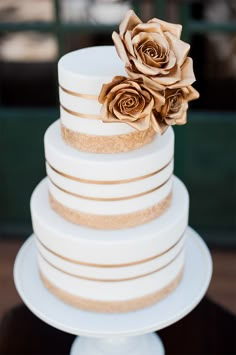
x: 120, y: 334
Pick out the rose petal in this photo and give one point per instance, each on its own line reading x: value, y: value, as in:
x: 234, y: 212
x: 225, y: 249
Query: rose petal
x: 148, y: 82
x: 187, y: 75
x: 173, y: 28
x: 120, y: 48
x: 177, y: 115
x: 170, y: 121
x: 153, y: 37
x: 158, y: 125
x: 183, y: 119
x: 105, y: 114
x: 111, y: 101
x: 180, y: 48
x: 129, y: 21
x: 144, y: 69
x: 167, y: 81
x: 159, y: 99
x: 192, y: 94
x: 119, y: 86
x: 122, y: 117
x: 128, y: 43
x: 107, y: 87
x: 142, y: 124
x: 150, y: 62
x: 147, y: 28
x: 134, y: 84
x: 170, y: 64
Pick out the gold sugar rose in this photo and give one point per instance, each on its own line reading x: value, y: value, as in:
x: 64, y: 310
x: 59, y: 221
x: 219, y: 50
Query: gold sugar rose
x: 129, y: 101
x: 174, y: 111
x: 154, y: 51
x: 158, y: 87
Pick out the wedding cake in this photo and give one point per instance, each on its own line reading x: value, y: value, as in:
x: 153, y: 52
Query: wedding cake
x: 110, y: 217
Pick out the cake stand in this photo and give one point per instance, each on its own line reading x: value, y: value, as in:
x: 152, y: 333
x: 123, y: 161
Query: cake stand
x: 120, y: 334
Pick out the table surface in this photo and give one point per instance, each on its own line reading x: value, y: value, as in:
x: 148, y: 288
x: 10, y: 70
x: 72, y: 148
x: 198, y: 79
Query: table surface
x: 207, y: 330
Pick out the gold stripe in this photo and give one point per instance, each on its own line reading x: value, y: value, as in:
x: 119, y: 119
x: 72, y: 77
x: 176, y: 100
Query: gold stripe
x: 84, y: 96
x: 111, y: 280
x: 113, y: 182
x: 111, y: 265
x: 81, y: 115
x: 112, y: 306
x: 111, y: 199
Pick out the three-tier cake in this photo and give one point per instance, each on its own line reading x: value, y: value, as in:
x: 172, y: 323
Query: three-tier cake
x: 110, y: 217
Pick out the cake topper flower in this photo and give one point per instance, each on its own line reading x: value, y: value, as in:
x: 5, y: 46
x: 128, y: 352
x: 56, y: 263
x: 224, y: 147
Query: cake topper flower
x: 154, y: 51
x: 158, y: 87
x: 129, y: 101
x: 174, y: 111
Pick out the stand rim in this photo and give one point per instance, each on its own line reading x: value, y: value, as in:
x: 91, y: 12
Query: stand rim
x: 91, y: 324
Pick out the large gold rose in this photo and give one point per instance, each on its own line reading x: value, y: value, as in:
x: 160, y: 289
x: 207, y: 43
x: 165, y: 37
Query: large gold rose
x: 174, y: 111
x: 128, y: 101
x: 154, y: 51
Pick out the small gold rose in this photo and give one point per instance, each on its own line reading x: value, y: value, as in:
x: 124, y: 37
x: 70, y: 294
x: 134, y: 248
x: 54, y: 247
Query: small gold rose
x: 174, y: 111
x: 128, y: 101
x: 154, y: 51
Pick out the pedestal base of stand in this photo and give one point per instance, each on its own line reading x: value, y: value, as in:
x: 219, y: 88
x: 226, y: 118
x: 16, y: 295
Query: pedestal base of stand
x: 148, y: 344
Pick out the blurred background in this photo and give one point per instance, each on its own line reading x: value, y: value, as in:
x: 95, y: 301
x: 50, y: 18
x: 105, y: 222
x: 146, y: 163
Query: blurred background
x: 34, y: 34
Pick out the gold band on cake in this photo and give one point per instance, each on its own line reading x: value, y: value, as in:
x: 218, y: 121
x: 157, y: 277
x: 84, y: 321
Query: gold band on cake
x: 109, y: 265
x: 109, y: 199
x: 77, y: 94
x: 107, y: 144
x: 111, y: 221
x: 81, y: 115
x: 112, y: 306
x: 51, y: 264
x: 109, y: 182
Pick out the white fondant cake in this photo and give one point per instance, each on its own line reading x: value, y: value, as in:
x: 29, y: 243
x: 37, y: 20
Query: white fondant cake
x: 110, y: 217
x: 105, y: 247
x: 83, y: 72
x: 104, y: 270
x: 108, y: 167
x: 109, y: 185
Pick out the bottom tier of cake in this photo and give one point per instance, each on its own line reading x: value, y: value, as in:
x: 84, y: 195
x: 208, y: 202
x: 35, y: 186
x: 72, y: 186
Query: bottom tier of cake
x: 110, y: 271
x: 112, y: 296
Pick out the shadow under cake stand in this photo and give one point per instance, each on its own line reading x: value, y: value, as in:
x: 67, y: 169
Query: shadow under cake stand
x: 121, y: 334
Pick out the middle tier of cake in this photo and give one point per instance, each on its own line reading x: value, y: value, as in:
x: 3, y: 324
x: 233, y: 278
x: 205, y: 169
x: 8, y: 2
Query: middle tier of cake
x: 109, y: 191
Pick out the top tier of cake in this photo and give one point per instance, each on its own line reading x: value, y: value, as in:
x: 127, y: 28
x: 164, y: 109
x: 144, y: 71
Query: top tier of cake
x: 85, y: 71
x: 82, y: 74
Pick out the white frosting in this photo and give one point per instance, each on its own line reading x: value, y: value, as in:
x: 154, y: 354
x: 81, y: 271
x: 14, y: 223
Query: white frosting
x: 110, y: 190
x: 110, y: 208
x: 113, y: 291
x: 107, y: 167
x: 85, y: 71
x: 75, y: 103
x: 93, y: 127
x: 111, y: 273
x: 109, y: 247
